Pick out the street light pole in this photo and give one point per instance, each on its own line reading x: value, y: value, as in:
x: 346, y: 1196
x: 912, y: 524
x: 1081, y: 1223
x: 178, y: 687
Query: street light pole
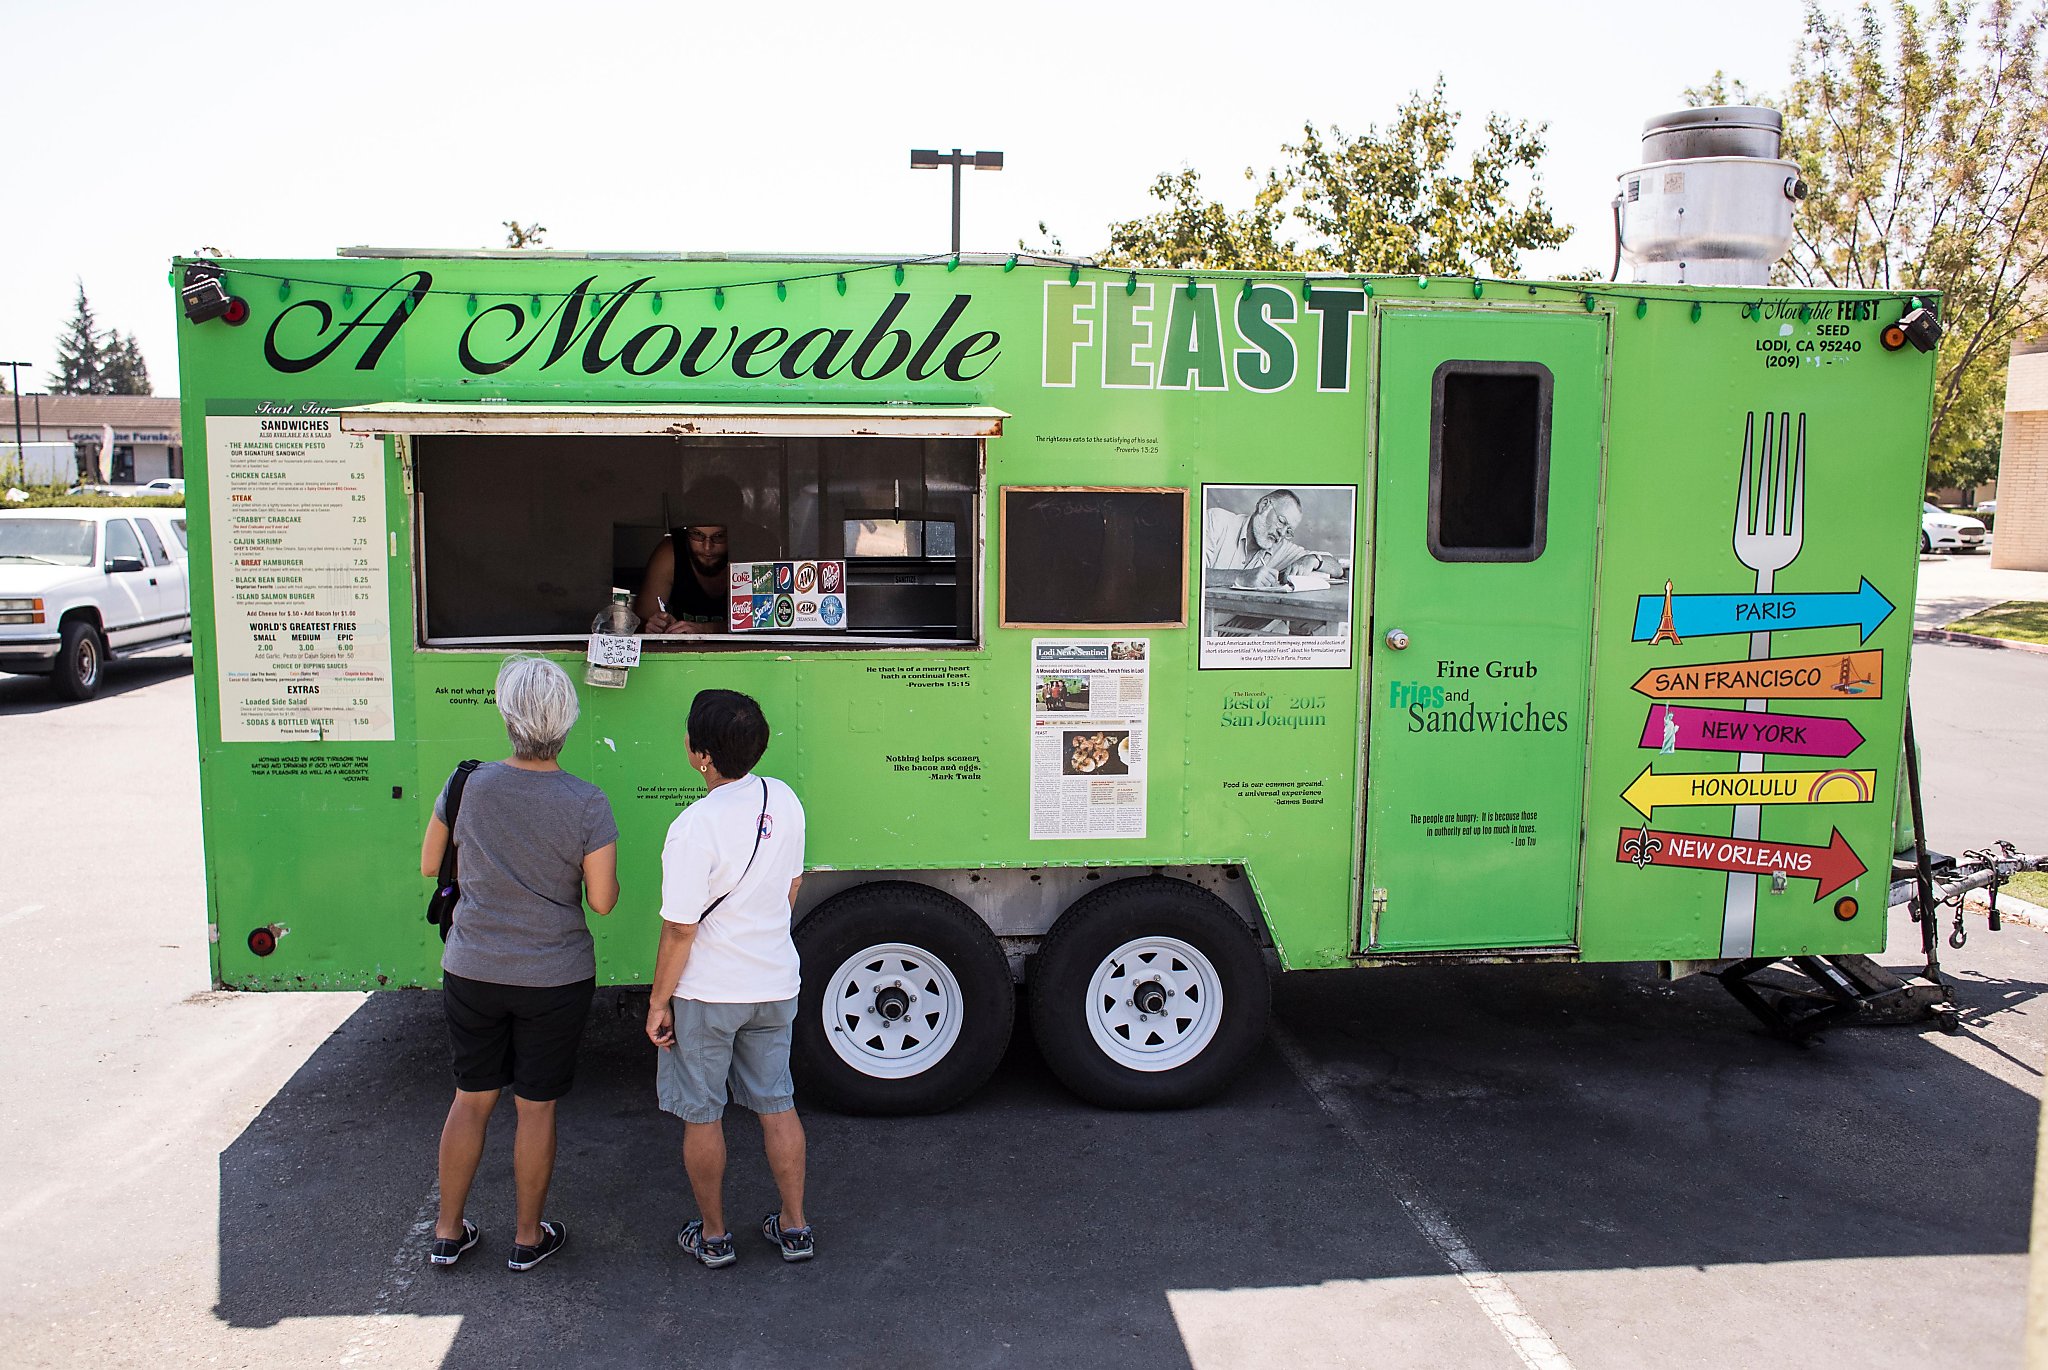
x: 14, y: 384
x: 930, y: 159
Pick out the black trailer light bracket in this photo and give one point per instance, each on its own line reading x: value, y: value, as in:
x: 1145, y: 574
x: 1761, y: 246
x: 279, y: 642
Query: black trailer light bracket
x: 1917, y: 326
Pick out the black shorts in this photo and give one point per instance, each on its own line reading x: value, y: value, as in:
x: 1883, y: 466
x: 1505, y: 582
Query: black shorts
x: 515, y: 1035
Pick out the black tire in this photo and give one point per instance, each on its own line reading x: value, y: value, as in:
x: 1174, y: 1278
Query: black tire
x: 942, y: 930
x: 81, y: 661
x: 1085, y: 937
x: 1926, y: 543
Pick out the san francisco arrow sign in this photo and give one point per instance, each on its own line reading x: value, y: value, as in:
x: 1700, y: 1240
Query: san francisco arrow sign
x: 1718, y: 615
x: 1682, y: 727
x: 1831, y: 675
x: 1650, y: 790
x: 1830, y: 867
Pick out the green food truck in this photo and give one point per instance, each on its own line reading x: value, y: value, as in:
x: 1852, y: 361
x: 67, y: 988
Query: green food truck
x: 1122, y: 631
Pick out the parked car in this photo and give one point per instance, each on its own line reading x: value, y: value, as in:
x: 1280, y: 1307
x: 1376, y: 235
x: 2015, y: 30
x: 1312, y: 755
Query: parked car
x: 1989, y: 506
x: 1943, y: 531
x: 82, y: 587
x: 163, y: 485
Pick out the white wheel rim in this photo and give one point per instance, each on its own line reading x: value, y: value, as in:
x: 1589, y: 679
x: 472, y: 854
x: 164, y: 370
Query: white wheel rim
x: 1141, y: 1040
x: 863, y: 1034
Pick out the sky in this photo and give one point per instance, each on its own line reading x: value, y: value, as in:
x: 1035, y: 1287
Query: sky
x: 290, y: 128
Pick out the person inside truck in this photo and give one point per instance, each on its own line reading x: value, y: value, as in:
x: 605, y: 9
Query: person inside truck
x: 1261, y: 541
x: 692, y: 598
x: 533, y: 843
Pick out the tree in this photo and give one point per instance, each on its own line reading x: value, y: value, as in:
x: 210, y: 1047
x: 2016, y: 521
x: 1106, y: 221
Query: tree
x: 90, y: 362
x: 1925, y: 143
x: 1372, y: 203
x: 80, y: 353
x: 124, y: 373
x: 524, y: 235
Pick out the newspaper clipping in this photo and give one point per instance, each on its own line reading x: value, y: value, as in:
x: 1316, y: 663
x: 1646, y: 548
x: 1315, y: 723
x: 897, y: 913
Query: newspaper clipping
x: 1088, y: 737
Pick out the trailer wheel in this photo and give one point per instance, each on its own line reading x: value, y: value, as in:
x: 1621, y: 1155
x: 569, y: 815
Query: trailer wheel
x: 1148, y: 993
x: 907, y: 1000
x: 81, y: 661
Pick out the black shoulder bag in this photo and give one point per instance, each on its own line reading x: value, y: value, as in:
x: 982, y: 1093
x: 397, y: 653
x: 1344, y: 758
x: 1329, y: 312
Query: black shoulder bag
x: 759, y: 823
x: 441, y: 903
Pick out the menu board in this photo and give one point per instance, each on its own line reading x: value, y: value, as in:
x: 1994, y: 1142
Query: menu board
x: 768, y: 595
x: 301, y: 603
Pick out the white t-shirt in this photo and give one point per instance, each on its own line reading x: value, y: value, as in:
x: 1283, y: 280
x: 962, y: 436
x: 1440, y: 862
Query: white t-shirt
x: 743, y: 954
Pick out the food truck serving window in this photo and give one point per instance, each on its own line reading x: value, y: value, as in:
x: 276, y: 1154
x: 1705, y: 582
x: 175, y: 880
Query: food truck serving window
x: 523, y: 535
x: 1489, y: 461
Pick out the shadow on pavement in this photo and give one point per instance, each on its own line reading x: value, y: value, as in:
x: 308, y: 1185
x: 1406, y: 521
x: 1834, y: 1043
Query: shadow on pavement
x: 33, y: 694
x: 1563, y: 1118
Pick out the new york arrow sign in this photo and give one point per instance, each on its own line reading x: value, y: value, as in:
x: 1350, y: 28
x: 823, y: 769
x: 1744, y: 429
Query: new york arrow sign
x: 1718, y: 615
x: 1830, y: 867
x: 1736, y: 730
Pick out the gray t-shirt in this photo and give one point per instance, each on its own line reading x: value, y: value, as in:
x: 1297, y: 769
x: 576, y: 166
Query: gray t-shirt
x: 520, y: 840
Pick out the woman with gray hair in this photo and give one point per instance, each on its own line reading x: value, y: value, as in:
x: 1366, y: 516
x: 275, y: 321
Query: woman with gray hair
x: 534, y: 843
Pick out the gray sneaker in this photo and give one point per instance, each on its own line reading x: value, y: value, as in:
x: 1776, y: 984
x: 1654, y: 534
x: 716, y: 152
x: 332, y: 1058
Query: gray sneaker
x: 711, y: 1251
x: 793, y: 1242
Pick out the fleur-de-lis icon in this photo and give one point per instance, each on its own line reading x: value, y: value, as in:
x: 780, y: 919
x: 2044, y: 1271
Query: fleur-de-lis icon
x: 1643, y: 847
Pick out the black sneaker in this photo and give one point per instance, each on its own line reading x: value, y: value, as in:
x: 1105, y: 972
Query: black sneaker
x: 711, y: 1251
x: 553, y: 1236
x: 448, y: 1250
x: 793, y: 1242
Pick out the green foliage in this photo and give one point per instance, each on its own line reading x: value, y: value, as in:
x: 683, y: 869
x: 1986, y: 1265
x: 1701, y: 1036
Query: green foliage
x: 1924, y: 139
x: 53, y: 497
x: 90, y: 362
x: 1373, y: 203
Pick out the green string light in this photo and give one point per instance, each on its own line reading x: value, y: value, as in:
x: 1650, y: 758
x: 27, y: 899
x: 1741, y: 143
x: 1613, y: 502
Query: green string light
x: 1307, y: 286
x: 536, y: 306
x: 840, y: 281
x: 471, y: 306
x: 1368, y: 288
x: 1805, y: 313
x: 1131, y: 285
x: 1011, y: 265
x: 284, y: 290
x: 1246, y: 293
x: 953, y: 262
x: 899, y: 273
x: 1073, y: 275
x: 782, y: 290
x: 1590, y: 302
x: 1422, y: 282
x: 718, y: 298
x: 348, y: 296
x: 1191, y: 287
x: 1695, y: 311
x: 656, y: 301
x: 1642, y: 308
x: 1477, y: 289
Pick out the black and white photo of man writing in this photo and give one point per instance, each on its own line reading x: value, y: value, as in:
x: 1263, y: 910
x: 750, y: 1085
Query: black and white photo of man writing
x: 1262, y: 541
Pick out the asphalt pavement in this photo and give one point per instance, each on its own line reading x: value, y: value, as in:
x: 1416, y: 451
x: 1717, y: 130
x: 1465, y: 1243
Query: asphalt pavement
x: 1481, y: 1166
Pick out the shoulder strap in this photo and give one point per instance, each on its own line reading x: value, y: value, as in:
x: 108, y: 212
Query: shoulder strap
x: 759, y: 823
x: 456, y: 783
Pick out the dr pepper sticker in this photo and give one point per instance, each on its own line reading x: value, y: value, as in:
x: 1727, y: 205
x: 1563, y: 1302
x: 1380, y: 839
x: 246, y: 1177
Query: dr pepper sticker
x: 830, y: 574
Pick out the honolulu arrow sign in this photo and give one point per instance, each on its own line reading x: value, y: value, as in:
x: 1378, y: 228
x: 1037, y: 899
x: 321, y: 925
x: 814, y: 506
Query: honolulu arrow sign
x: 1650, y: 790
x: 1683, y: 727
x: 1716, y: 615
x: 1830, y: 867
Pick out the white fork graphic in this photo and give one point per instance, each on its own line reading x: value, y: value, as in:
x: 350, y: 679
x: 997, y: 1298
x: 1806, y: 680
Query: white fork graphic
x: 1770, y: 521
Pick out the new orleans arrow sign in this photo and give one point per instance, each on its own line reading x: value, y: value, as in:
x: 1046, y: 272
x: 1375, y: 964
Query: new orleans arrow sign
x: 1682, y: 727
x: 1830, y: 867
x: 1718, y: 615
x: 1692, y: 788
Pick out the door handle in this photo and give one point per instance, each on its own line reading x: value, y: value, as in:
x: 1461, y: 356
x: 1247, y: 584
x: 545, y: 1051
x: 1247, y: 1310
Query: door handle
x: 1397, y: 639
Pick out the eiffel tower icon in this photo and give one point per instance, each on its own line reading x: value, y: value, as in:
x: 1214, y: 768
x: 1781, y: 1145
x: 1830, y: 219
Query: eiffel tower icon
x: 1666, y: 632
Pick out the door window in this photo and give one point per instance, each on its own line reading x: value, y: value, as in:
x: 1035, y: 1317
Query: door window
x: 121, y: 540
x: 1489, y: 461
x: 158, y: 553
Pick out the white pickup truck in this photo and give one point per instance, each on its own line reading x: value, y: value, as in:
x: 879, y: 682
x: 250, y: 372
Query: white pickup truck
x: 80, y: 587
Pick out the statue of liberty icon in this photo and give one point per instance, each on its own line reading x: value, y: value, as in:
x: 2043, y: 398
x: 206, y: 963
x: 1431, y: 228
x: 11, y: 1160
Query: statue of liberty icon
x: 1670, y: 733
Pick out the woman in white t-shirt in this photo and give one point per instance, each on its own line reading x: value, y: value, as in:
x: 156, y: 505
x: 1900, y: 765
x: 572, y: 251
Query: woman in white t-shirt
x: 726, y: 972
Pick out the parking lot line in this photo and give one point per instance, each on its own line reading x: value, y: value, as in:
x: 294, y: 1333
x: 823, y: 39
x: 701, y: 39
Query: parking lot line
x: 1527, y: 1337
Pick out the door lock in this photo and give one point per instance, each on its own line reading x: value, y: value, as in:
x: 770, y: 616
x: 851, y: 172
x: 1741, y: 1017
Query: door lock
x: 1397, y: 639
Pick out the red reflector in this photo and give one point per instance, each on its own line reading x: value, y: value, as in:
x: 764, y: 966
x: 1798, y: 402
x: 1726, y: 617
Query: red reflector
x: 263, y: 941
x: 237, y: 313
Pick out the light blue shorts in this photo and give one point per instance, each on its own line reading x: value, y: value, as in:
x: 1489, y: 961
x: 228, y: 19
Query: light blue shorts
x: 744, y: 1046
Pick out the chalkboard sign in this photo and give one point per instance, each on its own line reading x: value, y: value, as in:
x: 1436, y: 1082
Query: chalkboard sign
x: 1094, y: 557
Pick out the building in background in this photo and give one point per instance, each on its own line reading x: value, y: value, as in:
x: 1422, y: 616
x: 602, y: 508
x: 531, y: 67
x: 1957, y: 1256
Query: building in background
x: 146, y: 442
x: 2019, y: 539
